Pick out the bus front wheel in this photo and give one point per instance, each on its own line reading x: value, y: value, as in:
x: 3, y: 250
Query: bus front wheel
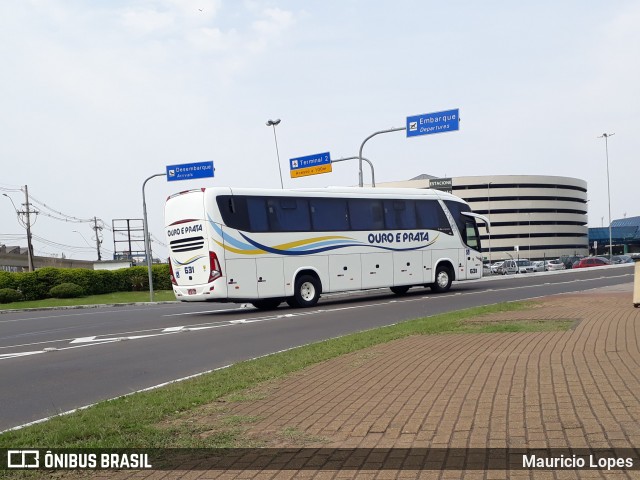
x: 443, y: 280
x: 306, y: 292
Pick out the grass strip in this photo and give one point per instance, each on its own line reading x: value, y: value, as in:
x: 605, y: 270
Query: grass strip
x: 103, y: 299
x: 133, y: 421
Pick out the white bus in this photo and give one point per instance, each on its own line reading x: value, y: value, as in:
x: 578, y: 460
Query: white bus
x: 264, y: 246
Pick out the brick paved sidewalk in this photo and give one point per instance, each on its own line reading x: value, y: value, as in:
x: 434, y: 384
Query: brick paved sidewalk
x: 578, y: 389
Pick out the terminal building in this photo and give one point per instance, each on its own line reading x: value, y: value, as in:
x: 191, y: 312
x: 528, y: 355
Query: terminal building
x: 624, y: 235
x: 532, y: 216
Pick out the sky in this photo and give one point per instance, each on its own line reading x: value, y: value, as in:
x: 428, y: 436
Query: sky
x: 95, y: 97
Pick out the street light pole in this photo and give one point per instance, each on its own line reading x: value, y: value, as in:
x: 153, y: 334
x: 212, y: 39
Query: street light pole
x: 273, y: 123
x: 606, y: 147
x: 489, y: 217
x: 147, y: 238
x: 530, y: 257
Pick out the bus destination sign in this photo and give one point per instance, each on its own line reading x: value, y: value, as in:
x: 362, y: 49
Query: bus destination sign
x: 190, y: 171
x: 310, y: 165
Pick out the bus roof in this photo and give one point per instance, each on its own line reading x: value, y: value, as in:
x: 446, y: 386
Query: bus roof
x: 331, y: 191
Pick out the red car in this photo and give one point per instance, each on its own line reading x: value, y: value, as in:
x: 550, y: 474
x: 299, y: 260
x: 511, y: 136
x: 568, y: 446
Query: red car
x: 591, y: 262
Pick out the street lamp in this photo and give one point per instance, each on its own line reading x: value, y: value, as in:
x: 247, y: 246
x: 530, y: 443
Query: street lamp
x: 606, y: 147
x: 529, y: 235
x: 489, y: 217
x: 273, y: 123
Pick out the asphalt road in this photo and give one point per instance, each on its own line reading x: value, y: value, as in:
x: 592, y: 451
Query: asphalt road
x: 57, y: 360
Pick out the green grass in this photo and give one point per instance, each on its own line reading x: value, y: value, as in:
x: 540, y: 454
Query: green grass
x: 160, y: 418
x: 107, y: 298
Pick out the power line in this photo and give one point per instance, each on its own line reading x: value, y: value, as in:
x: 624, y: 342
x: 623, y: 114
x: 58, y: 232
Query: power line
x: 69, y: 218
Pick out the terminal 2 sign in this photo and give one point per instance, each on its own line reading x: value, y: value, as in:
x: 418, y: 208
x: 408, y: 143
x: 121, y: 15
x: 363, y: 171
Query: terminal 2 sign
x: 310, y: 165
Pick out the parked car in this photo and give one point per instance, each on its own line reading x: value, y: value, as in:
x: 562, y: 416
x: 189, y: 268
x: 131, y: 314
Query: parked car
x: 486, y: 269
x: 616, y: 259
x: 515, y: 266
x: 538, y: 266
x: 569, y: 260
x: 495, y: 267
x: 591, y: 262
x: 553, y: 265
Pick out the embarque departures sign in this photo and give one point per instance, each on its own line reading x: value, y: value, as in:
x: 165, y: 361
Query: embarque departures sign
x: 310, y: 165
x: 436, y: 122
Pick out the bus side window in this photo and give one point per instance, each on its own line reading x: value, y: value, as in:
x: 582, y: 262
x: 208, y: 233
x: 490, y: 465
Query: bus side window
x: 365, y: 214
x: 257, y: 213
x: 233, y: 210
x: 400, y: 214
x: 329, y: 214
x: 288, y: 214
x: 431, y: 216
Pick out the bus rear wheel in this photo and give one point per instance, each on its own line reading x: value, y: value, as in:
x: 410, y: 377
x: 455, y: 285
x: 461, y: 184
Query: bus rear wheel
x: 267, y: 303
x: 443, y: 280
x: 307, y: 292
x: 400, y: 290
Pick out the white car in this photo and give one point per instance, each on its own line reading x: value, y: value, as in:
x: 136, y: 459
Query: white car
x: 515, y: 266
x: 553, y: 265
x: 538, y: 266
x: 495, y: 267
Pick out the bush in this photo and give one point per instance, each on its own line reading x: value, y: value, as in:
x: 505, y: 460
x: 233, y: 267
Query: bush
x: 66, y: 290
x: 31, y: 288
x: 161, y: 277
x: 47, y: 278
x: 9, y: 295
x: 37, y: 285
x: 7, y: 280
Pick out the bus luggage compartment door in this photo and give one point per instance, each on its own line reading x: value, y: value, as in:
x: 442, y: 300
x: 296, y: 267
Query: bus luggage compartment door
x: 344, y: 273
x: 377, y: 270
x: 270, y: 276
x: 407, y: 268
x: 241, y: 278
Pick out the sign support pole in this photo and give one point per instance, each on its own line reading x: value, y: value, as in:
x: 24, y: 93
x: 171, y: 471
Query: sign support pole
x: 147, y: 239
x: 360, y: 181
x: 373, y: 174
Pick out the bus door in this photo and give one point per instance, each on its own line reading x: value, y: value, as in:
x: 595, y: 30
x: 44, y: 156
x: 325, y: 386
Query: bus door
x: 473, y: 252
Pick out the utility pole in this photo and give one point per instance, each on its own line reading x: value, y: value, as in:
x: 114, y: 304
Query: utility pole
x: 27, y: 225
x: 96, y: 229
x: 28, y: 213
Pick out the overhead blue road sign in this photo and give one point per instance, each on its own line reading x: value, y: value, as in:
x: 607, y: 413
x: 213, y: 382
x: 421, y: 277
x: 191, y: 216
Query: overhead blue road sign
x: 189, y: 171
x: 310, y: 165
x: 437, y: 122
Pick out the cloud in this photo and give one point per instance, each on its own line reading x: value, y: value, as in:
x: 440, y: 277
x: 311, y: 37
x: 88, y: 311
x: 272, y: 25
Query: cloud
x: 173, y: 18
x: 145, y: 21
x: 274, y: 22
